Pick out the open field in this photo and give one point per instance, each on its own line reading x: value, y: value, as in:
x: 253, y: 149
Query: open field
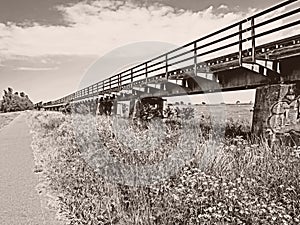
x: 103, y: 170
x: 6, y: 118
x: 239, y: 112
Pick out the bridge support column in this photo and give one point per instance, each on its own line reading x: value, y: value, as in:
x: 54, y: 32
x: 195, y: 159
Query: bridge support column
x: 277, y: 112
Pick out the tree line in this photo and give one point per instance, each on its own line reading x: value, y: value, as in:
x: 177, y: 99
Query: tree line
x: 13, y: 102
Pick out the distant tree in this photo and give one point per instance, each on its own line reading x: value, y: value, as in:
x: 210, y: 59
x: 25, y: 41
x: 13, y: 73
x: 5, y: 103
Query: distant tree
x: 13, y: 102
x: 238, y: 102
x: 203, y: 103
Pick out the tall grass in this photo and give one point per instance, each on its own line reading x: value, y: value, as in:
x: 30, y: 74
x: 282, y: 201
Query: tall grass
x: 228, y: 180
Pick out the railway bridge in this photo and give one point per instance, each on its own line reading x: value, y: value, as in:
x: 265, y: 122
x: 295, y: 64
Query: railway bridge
x: 260, y: 52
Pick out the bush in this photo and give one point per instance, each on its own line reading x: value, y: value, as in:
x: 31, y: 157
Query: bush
x: 15, y: 102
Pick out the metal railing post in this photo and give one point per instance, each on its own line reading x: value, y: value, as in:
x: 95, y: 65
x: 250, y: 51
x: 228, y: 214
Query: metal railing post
x: 240, y: 44
x: 146, y: 72
x: 119, y: 82
x: 253, y: 39
x: 131, y: 77
x: 195, y: 58
x: 110, y: 83
x: 167, y: 73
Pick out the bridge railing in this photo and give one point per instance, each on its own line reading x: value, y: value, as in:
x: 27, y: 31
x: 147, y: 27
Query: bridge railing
x: 232, y: 42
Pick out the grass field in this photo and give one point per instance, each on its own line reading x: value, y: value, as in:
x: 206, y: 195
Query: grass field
x: 112, y: 174
x: 6, y: 118
x: 238, y: 112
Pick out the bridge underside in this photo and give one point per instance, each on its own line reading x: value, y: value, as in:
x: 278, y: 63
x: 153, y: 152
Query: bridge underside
x: 243, y: 77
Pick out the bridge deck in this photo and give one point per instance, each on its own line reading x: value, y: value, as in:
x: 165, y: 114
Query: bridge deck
x: 243, y: 68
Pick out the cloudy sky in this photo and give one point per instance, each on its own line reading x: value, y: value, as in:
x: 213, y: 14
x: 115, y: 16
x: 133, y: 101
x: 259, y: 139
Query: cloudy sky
x: 46, y: 46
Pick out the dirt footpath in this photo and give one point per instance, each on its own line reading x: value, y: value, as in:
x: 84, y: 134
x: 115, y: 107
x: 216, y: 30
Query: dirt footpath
x: 19, y: 201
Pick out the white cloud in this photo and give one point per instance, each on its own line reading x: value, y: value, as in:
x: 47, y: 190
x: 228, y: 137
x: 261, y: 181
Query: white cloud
x: 223, y: 7
x: 35, y: 69
x: 100, y: 26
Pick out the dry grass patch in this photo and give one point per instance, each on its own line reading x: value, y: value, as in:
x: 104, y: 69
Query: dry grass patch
x: 6, y: 118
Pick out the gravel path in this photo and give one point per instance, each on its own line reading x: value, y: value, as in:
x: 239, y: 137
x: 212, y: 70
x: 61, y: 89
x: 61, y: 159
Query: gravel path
x: 19, y: 201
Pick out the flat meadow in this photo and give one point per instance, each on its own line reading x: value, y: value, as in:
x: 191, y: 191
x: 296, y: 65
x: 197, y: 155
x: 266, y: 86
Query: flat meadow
x: 110, y: 170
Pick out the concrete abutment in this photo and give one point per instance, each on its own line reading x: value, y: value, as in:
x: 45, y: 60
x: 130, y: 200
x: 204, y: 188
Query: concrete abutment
x: 277, y: 112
